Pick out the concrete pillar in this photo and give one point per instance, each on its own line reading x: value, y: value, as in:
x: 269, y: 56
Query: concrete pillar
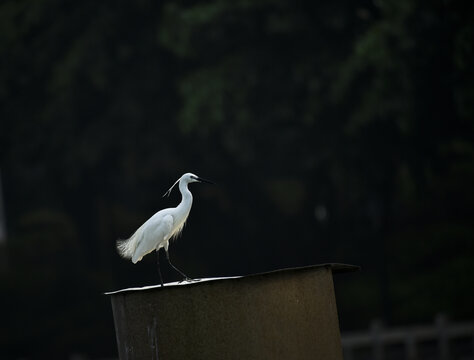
x: 284, y: 314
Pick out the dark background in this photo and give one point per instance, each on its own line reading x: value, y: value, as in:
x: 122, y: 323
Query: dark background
x: 337, y: 131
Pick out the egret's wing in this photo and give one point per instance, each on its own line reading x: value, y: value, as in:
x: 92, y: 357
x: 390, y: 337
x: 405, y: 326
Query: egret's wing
x: 156, y: 231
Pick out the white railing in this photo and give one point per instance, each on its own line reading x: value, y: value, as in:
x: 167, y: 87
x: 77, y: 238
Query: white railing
x: 441, y: 335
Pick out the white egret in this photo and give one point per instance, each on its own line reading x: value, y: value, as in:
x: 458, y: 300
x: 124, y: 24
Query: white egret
x: 158, y: 230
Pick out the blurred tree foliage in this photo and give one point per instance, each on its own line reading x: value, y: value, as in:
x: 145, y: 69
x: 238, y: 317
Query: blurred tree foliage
x: 338, y: 132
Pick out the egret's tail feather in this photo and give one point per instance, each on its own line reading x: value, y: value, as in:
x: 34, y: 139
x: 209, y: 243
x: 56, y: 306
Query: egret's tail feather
x: 126, y: 248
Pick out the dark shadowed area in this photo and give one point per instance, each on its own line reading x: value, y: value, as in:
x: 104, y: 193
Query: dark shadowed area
x: 336, y: 131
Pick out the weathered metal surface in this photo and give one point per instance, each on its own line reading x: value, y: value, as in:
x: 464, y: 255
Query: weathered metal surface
x: 285, y: 314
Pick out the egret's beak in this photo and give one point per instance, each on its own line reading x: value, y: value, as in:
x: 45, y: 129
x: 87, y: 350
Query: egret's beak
x: 204, y: 180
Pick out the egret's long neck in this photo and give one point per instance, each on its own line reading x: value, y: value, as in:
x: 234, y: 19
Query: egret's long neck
x: 186, y: 197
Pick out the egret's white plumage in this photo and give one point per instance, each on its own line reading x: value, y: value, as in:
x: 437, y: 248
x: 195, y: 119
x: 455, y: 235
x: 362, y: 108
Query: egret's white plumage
x: 163, y: 226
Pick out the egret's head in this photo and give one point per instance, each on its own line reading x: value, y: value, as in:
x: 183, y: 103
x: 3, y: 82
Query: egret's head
x: 187, y: 179
x: 190, y: 177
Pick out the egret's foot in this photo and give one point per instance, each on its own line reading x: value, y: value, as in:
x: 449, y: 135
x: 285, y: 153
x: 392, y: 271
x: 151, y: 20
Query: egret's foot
x: 187, y: 279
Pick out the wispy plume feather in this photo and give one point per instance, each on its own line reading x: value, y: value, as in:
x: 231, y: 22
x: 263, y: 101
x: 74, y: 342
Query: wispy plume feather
x: 171, y: 188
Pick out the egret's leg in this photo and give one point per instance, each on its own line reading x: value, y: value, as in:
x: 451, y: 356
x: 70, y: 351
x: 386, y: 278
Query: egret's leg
x: 187, y: 278
x: 158, y: 262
